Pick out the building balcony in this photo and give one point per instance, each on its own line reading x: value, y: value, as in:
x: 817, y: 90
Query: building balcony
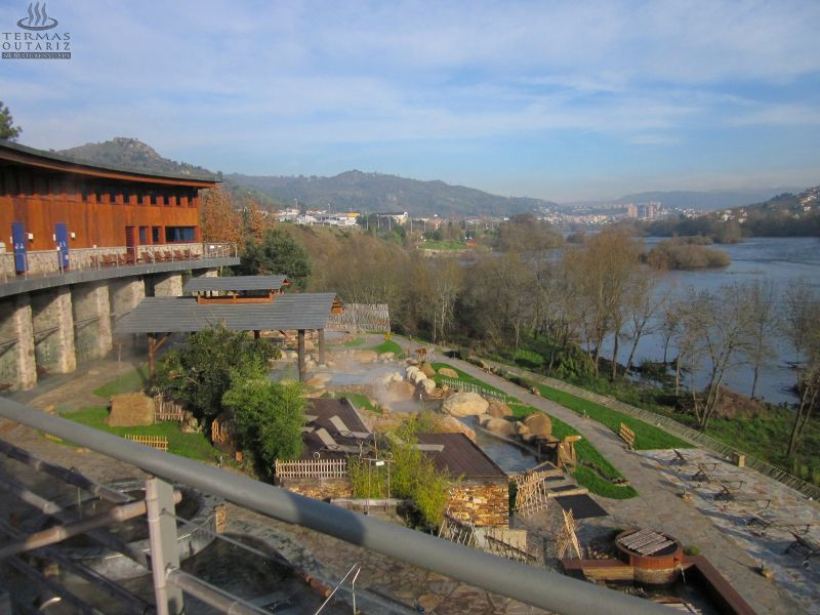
x: 40, y: 269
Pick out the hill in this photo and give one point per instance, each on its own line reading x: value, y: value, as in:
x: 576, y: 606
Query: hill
x: 784, y: 215
x: 703, y: 200
x: 369, y: 192
x: 132, y: 154
x: 374, y: 192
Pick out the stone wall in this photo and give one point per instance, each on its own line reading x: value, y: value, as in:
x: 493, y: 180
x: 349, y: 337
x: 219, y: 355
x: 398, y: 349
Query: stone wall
x: 168, y: 285
x: 483, y: 504
x: 92, y: 320
x: 54, y: 330
x: 319, y: 489
x: 17, y: 367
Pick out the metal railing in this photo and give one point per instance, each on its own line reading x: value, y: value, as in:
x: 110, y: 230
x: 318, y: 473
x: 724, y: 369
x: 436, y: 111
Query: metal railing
x: 41, y: 263
x: 537, y: 587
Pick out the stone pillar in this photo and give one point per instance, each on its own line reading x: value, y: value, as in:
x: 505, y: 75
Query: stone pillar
x: 125, y: 295
x: 300, y: 351
x: 53, y: 321
x: 168, y: 285
x: 321, y: 346
x: 18, y: 369
x: 92, y: 320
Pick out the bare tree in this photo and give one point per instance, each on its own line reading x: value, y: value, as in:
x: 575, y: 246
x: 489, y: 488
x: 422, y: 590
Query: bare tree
x: 762, y: 322
x: 802, y: 326
x: 644, y: 304
x: 713, y: 337
x: 445, y: 287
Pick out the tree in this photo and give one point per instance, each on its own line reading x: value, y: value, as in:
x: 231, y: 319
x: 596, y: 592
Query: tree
x: 278, y: 253
x: 7, y: 128
x: 220, y: 220
x: 762, y: 322
x: 268, y: 416
x: 712, y: 336
x: 643, y: 304
x: 199, y: 373
x: 802, y: 326
x: 446, y: 284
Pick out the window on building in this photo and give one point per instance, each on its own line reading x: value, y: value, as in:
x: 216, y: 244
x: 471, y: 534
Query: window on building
x: 179, y: 234
x: 155, y: 234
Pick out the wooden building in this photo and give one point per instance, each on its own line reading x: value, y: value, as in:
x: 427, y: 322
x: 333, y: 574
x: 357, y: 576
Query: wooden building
x: 49, y: 203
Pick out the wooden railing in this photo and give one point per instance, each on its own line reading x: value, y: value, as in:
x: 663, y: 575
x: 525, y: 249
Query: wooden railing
x: 167, y: 410
x: 472, y: 387
x: 157, y: 442
x: 311, y: 468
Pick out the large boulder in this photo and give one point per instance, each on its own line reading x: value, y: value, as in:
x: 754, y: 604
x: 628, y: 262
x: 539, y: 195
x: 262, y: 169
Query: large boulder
x: 131, y: 410
x: 465, y: 404
x: 400, y: 391
x: 448, y: 372
x: 428, y: 385
x: 523, y: 431
x: 386, y: 357
x: 498, y: 409
x: 450, y: 424
x: 502, y: 427
x: 427, y: 369
x: 539, y: 425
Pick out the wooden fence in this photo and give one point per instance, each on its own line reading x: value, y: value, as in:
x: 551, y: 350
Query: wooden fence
x: 361, y: 318
x: 157, y: 442
x: 472, y: 387
x: 675, y: 428
x: 167, y: 410
x: 311, y: 468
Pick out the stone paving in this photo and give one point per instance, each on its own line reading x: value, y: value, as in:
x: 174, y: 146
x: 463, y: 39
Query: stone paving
x: 758, y: 502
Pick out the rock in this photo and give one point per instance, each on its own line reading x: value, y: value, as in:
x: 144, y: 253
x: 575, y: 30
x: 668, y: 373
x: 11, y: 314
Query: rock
x: 483, y: 419
x: 465, y: 404
x: 427, y: 370
x: 317, y: 381
x: 387, y: 356
x: 401, y: 390
x: 392, y: 377
x: 428, y: 386
x: 411, y: 371
x: 190, y: 424
x: 448, y: 372
x: 365, y: 356
x: 131, y: 410
x: 523, y: 431
x: 499, y: 409
x: 539, y: 425
x: 450, y: 424
x: 502, y: 427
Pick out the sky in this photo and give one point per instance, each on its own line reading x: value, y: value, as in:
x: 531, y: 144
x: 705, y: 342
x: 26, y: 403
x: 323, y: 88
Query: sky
x: 557, y: 100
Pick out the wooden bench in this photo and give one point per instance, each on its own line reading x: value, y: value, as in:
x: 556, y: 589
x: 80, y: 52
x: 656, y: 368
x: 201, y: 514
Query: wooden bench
x: 627, y: 435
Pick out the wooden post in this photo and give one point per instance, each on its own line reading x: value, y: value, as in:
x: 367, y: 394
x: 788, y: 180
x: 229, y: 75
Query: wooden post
x: 301, y: 353
x: 322, y: 346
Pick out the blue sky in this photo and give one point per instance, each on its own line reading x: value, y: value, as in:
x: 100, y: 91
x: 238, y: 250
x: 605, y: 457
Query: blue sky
x: 559, y: 100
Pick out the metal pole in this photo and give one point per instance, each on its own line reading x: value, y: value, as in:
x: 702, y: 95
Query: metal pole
x: 72, y: 477
x: 58, y: 533
x: 162, y: 528
x: 541, y: 588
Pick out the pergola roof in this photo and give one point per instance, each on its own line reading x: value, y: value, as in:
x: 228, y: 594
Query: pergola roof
x: 185, y: 315
x: 235, y: 283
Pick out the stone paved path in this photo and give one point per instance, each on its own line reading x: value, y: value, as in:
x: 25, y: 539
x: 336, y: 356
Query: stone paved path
x: 658, y: 504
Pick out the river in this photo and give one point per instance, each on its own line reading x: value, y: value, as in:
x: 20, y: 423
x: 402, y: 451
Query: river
x: 779, y: 260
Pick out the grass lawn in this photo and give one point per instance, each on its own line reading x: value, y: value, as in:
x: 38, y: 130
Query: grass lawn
x: 389, y: 346
x: 354, y: 343
x: 362, y: 402
x: 193, y: 445
x: 128, y: 382
x: 594, y: 471
x: 464, y: 377
x: 646, y: 436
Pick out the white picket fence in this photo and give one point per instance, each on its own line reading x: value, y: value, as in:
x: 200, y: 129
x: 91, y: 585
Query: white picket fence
x: 311, y: 468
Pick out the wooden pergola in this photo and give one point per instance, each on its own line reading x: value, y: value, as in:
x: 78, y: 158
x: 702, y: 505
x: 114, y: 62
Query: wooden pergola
x: 159, y: 317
